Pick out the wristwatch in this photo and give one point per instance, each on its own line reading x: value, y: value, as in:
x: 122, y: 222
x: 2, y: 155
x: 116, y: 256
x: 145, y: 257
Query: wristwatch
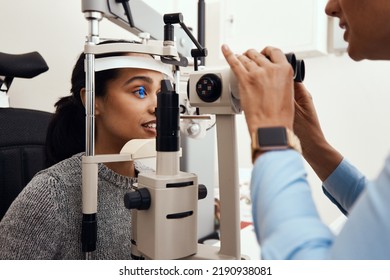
x: 274, y: 138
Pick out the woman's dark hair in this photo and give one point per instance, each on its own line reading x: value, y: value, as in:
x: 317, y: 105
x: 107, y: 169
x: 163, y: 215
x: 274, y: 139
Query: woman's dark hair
x: 66, y: 132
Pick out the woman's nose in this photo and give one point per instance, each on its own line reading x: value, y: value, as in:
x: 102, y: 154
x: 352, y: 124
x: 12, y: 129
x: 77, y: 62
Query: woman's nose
x: 153, y: 104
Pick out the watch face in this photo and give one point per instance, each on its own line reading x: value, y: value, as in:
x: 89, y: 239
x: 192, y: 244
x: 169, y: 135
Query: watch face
x: 272, y: 137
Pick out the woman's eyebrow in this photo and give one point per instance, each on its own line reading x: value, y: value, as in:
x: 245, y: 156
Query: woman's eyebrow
x: 142, y: 78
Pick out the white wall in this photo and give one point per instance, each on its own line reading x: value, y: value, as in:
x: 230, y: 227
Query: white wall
x: 57, y: 30
x: 352, y: 98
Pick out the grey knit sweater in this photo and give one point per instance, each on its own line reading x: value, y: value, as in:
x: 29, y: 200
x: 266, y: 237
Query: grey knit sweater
x: 44, y: 222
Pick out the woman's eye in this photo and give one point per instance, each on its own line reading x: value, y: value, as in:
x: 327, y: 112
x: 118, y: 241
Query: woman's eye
x: 140, y: 92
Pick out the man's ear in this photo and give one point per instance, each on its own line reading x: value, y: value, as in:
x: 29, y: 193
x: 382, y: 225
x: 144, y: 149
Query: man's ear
x: 83, y: 100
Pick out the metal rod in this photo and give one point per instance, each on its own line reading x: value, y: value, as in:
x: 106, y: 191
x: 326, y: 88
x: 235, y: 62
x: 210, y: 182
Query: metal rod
x: 202, y: 27
x: 92, y: 39
x: 89, y: 187
x: 90, y: 104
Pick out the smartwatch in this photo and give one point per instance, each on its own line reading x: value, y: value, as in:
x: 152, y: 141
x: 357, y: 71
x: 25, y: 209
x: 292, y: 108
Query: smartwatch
x: 274, y: 138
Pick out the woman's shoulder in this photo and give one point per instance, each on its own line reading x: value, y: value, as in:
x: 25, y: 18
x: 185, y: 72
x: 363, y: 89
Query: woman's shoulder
x: 67, y: 170
x: 56, y: 182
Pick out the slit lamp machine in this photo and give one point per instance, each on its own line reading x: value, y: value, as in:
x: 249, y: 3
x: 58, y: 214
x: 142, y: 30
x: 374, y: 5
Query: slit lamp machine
x: 165, y: 202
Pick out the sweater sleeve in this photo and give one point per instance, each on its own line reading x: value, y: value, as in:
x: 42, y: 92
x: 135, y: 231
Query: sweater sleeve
x: 30, y: 229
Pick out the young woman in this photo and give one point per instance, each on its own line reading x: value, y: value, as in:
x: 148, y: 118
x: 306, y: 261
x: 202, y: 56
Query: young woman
x: 44, y: 222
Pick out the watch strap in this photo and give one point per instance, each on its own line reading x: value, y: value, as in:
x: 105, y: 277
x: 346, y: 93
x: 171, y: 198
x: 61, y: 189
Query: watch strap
x: 289, y: 140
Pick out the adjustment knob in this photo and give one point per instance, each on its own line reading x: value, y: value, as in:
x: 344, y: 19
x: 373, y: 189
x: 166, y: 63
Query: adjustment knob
x: 209, y: 88
x: 138, y: 199
x: 202, y: 191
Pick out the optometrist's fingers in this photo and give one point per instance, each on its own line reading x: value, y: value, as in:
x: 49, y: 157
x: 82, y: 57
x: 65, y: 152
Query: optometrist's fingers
x: 257, y: 57
x: 233, y: 60
x: 274, y: 54
x: 248, y: 63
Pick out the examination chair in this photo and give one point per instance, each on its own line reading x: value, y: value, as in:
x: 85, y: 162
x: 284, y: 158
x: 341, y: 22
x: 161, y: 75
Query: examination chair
x: 22, y: 131
x: 22, y: 150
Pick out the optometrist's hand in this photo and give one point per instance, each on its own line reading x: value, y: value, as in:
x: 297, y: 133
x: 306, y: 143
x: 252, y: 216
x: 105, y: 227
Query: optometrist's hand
x: 306, y: 123
x: 322, y: 157
x: 265, y: 81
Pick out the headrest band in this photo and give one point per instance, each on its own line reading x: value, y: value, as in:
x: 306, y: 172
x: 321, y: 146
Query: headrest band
x: 148, y: 63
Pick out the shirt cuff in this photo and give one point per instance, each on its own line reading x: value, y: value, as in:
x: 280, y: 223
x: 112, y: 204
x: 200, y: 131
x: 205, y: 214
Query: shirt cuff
x: 344, y: 185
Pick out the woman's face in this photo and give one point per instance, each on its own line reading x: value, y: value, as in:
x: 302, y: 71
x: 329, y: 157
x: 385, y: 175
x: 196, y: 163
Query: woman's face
x: 125, y: 112
x: 366, y: 24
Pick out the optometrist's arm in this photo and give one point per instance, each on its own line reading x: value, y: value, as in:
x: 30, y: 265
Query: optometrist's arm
x: 344, y: 186
x: 287, y: 223
x: 342, y: 182
x: 316, y: 150
x: 286, y: 220
x: 365, y: 235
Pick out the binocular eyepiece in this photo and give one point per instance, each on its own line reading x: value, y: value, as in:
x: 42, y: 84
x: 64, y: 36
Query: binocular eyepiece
x: 298, y: 66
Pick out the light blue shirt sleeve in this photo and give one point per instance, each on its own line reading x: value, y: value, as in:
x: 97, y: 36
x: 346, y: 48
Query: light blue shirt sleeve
x: 287, y: 223
x: 344, y: 186
x: 366, y: 234
x: 285, y: 218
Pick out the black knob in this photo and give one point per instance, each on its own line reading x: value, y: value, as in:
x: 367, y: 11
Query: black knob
x: 202, y: 192
x: 209, y: 88
x: 173, y: 18
x: 138, y: 199
x: 300, y: 71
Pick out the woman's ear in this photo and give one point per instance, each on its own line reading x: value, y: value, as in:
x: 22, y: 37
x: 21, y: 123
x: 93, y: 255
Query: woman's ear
x: 82, y: 96
x: 83, y: 100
